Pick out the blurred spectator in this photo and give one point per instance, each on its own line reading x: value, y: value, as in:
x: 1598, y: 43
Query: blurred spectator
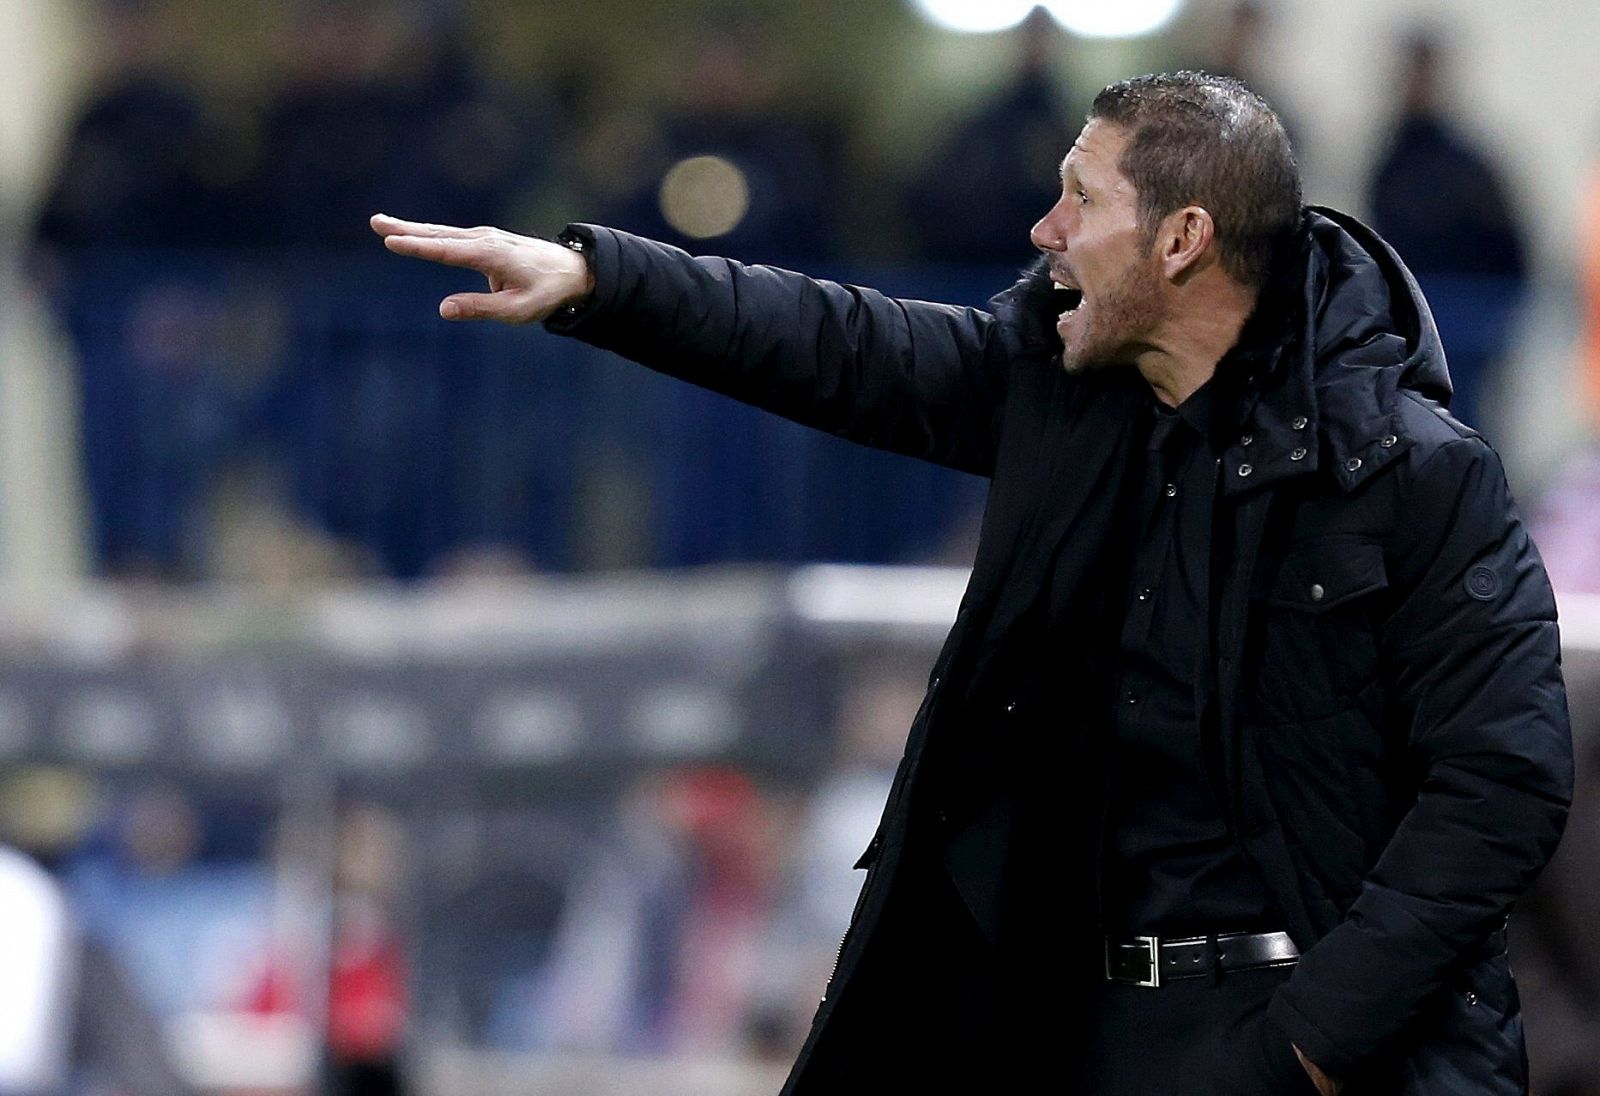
x: 661, y: 945
x: 879, y: 701
x: 185, y: 920
x: 176, y: 363
x: 975, y: 199
x: 1440, y: 201
x: 145, y: 164
x: 1566, y: 526
x: 384, y: 110
x: 70, y: 1018
x: 170, y: 360
x: 365, y: 989
x: 1238, y: 45
x: 1589, y: 295
x: 731, y: 169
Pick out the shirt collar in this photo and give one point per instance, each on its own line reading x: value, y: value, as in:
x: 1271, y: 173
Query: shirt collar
x: 1200, y: 413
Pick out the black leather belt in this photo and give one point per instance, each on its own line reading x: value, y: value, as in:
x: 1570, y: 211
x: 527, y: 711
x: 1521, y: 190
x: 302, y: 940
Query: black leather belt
x: 1151, y: 961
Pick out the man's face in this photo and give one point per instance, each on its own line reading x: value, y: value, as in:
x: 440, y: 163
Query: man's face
x: 1092, y: 239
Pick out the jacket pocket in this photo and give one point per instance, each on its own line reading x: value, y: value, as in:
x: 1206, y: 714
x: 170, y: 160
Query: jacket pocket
x: 1316, y: 614
x: 1321, y: 575
x: 1470, y: 1037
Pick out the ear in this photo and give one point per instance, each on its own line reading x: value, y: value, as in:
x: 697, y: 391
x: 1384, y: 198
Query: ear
x: 1183, y: 240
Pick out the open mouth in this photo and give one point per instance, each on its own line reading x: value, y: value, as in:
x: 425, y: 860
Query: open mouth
x: 1070, y: 297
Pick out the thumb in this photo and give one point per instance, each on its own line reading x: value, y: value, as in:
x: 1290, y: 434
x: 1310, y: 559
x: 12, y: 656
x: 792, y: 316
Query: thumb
x: 505, y: 306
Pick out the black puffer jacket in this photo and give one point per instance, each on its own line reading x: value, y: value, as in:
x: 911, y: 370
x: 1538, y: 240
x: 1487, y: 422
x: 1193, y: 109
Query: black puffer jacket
x: 1385, y: 684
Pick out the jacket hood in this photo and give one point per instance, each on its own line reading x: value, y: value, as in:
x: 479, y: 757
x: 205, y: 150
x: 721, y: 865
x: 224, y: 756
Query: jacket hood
x: 1340, y: 331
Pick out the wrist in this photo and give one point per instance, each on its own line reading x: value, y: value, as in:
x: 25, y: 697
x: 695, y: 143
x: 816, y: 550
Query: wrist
x: 583, y: 272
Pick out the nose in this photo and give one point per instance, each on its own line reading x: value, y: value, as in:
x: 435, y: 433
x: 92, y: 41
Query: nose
x: 1049, y: 234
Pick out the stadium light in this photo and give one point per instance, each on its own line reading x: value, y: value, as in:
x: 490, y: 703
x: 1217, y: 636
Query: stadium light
x: 1086, y: 18
x: 974, y: 16
x: 1122, y: 19
x: 705, y: 196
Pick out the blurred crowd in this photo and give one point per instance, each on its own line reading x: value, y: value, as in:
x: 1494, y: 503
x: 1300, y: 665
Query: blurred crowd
x: 678, y: 911
x: 266, y: 396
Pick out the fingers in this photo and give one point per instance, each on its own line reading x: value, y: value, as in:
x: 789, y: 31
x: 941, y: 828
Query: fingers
x: 471, y: 254
x: 530, y: 278
x: 385, y: 225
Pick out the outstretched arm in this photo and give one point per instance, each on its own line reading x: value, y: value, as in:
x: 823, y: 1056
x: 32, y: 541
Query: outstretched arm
x: 921, y: 379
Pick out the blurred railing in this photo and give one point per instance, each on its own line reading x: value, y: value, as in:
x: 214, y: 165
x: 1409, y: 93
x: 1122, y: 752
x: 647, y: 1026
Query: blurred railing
x: 329, y: 388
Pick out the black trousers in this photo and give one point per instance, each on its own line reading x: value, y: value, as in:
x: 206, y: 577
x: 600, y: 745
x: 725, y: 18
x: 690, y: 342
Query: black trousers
x: 1188, y: 1037
x: 939, y: 1008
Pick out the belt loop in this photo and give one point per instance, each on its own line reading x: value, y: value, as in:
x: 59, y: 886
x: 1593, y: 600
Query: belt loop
x: 1213, y: 963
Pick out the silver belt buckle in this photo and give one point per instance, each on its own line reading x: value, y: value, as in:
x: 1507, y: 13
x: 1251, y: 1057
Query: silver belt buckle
x: 1152, y: 945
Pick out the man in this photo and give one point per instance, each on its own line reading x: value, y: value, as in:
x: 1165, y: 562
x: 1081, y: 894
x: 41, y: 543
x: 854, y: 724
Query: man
x: 1251, y: 726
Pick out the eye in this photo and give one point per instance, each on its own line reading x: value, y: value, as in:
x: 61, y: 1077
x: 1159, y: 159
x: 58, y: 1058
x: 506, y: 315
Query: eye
x: 1083, y: 199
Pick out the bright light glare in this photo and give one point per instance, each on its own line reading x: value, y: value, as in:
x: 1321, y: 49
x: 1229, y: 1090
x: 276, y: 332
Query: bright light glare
x: 974, y: 16
x: 1113, y: 18
x: 705, y: 196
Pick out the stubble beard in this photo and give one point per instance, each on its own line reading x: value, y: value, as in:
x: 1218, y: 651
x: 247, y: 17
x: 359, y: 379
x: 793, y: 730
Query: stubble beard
x: 1109, y: 333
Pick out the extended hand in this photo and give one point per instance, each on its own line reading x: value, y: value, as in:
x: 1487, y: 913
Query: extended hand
x: 1326, y: 1085
x: 528, y: 279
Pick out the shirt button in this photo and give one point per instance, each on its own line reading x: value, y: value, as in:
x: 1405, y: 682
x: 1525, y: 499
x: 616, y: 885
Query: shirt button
x: 1011, y: 706
x: 1247, y: 439
x: 1299, y: 422
x: 1133, y: 697
x: 1298, y: 454
x: 1352, y: 464
x: 1172, y: 490
x: 1388, y: 441
x: 1144, y: 594
x: 1245, y: 469
x: 1317, y: 591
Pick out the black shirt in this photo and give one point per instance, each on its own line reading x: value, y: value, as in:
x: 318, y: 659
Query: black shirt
x: 1171, y: 863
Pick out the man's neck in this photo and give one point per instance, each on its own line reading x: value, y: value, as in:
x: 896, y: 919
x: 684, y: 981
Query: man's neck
x: 1186, y: 353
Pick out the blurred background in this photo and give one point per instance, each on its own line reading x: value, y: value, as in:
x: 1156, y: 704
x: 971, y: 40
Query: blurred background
x: 390, y: 707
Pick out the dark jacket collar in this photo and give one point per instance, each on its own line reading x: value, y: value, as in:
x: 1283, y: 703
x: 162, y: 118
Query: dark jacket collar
x: 1315, y: 380
x: 1353, y: 332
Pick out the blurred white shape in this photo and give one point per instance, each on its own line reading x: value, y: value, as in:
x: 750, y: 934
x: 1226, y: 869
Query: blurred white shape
x: 1113, y: 19
x: 376, y: 729
x: 113, y: 726
x: 36, y: 977
x: 529, y: 725
x: 915, y: 597
x: 974, y: 16
x: 239, y: 725
x: 704, y: 196
x: 233, y: 1051
x: 1580, y: 621
x: 684, y: 719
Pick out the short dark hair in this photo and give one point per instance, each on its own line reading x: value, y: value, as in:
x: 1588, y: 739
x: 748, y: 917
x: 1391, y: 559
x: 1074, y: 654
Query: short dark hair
x: 1199, y: 139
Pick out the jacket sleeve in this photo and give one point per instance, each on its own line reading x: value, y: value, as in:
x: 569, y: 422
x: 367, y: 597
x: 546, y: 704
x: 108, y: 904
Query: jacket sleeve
x: 1472, y: 661
x: 921, y: 379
